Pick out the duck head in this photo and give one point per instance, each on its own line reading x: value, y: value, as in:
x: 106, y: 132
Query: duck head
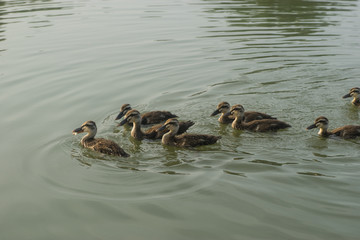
x: 88, y: 126
x: 222, y: 107
x: 123, y: 110
x: 132, y: 116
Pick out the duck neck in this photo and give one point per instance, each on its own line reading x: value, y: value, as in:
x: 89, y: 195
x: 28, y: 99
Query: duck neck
x: 238, y: 122
x: 87, y: 137
x: 167, y: 138
x: 136, y: 131
x: 356, y: 101
x: 223, y: 118
x: 323, y: 132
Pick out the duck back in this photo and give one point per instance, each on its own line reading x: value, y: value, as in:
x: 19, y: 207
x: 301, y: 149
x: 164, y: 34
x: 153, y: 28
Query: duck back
x: 106, y: 146
x: 266, y: 125
x: 251, y: 116
x: 347, y: 131
x: 154, y: 133
x: 156, y: 117
x: 193, y: 140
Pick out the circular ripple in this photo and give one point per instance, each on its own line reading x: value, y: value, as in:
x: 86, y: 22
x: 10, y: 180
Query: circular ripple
x: 152, y: 170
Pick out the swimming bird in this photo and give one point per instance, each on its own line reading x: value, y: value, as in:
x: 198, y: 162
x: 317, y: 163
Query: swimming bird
x: 224, y: 108
x: 185, y: 139
x: 133, y: 116
x: 263, y: 125
x: 101, y: 145
x: 149, y: 117
x: 355, y: 93
x: 347, y: 131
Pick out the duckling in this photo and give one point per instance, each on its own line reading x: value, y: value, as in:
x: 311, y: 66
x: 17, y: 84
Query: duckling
x: 224, y: 108
x: 101, y: 145
x: 347, y: 131
x: 355, y: 93
x: 133, y: 116
x: 263, y: 125
x: 149, y: 117
x: 184, y: 140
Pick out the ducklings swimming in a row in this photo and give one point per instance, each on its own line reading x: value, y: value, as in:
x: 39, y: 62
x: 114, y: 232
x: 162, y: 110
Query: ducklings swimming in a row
x: 224, y: 109
x: 172, y: 132
x: 134, y: 117
x: 149, y: 117
x: 184, y: 140
x: 347, y: 131
x: 155, y: 132
x: 263, y: 125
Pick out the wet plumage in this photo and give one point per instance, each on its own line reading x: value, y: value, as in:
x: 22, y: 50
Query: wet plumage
x: 149, y: 117
x: 264, y: 125
x: 347, y: 131
x: 133, y: 116
x: 224, y: 108
x: 184, y: 140
x: 355, y: 94
x: 101, y: 145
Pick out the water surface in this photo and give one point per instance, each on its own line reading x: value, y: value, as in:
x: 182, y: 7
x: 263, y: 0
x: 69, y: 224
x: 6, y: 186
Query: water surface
x: 65, y: 62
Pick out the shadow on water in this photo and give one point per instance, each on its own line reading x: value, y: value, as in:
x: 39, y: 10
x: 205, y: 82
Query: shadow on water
x: 299, y: 17
x: 277, y: 34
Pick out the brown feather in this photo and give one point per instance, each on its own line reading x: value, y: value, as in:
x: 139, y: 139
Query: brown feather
x: 347, y: 131
x: 133, y: 116
x: 193, y: 140
x: 98, y: 144
x: 263, y: 125
x: 105, y: 146
x: 184, y: 140
x: 251, y: 116
x: 156, y: 117
x: 224, y: 108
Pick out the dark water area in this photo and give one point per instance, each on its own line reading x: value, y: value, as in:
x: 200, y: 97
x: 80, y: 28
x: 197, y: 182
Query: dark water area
x: 65, y: 62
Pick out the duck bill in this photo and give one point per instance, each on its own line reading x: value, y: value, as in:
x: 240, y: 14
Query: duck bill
x: 347, y: 95
x: 216, y: 112
x: 123, y: 122
x: 227, y: 114
x: 162, y: 128
x: 311, y: 126
x: 120, y: 115
x: 77, y: 131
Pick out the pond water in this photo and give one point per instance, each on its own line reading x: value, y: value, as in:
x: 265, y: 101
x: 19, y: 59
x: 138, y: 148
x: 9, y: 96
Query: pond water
x: 65, y: 62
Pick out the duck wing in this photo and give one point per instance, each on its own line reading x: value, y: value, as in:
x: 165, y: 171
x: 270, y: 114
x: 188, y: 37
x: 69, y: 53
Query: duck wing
x: 108, y: 147
x: 266, y: 125
x: 251, y: 116
x: 156, y: 117
x: 193, y: 140
x: 347, y: 131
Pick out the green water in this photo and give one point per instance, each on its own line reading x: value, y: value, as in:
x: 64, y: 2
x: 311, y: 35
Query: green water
x: 65, y: 62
